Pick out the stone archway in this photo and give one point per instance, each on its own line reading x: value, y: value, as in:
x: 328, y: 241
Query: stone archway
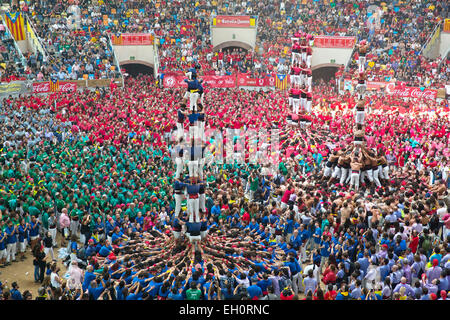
x: 325, y: 72
x: 228, y: 44
x: 136, y: 67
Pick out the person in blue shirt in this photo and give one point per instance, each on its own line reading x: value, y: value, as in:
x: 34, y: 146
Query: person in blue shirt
x: 295, y: 240
x: 89, y: 276
x: 264, y: 284
x: 119, y: 290
x: 22, y: 230
x: 254, y: 292
x: 117, y: 235
x: 15, y: 293
x: 296, y: 275
x: 304, y: 237
x: 91, y: 249
x: 324, y: 250
x: 11, y: 242
x: 95, y: 288
x: 364, y: 261
x: 175, y: 294
x: 215, y: 209
x: 106, y: 249
x: 2, y: 248
x: 289, y: 226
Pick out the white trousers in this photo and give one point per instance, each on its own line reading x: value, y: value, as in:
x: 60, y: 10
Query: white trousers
x: 202, y: 202
x: 53, y: 235
x: 327, y: 172
x: 180, y: 130
x: 201, y: 163
x: 385, y: 172
x: 179, y: 167
x: 193, y: 168
x: 344, y: 173
x: 194, y: 132
x: 178, y: 200
x: 193, y: 97
x: 11, y: 249
x: 295, y: 105
x: 48, y: 251
x: 354, y: 181
x: 376, y: 177
x: 193, y: 207
x: 308, y: 106
x: 336, y: 173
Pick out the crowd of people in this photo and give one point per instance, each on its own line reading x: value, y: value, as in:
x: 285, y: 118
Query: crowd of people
x: 11, y: 64
x: 105, y: 182
x: 76, y: 35
x: 88, y: 179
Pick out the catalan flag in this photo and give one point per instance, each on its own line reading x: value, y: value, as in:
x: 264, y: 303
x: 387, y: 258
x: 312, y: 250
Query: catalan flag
x: 16, y: 25
x: 281, y: 81
x: 54, y: 85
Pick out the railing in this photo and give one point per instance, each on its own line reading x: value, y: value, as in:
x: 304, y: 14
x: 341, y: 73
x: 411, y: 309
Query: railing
x: 156, y: 59
x: 431, y: 39
x: 34, y: 39
x: 116, y: 61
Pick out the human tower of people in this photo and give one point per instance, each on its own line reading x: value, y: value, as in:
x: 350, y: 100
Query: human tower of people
x: 355, y: 163
x: 300, y: 93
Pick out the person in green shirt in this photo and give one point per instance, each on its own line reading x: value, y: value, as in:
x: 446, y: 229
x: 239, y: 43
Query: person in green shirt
x: 254, y: 184
x: 33, y: 210
x: 193, y: 293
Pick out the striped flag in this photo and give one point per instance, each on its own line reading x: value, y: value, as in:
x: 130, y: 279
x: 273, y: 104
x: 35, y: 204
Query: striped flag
x: 54, y: 85
x: 16, y: 25
x: 281, y: 81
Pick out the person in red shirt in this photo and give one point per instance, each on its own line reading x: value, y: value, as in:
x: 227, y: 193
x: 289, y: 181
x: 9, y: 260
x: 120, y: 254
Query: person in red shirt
x: 331, y: 293
x: 329, y: 275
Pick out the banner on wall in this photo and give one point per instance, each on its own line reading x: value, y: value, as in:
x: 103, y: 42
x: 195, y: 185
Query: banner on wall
x: 13, y: 88
x: 177, y: 81
x: 234, y: 21
x: 411, y: 92
x: 132, y: 39
x: 48, y: 86
x: 334, y: 42
x: 245, y: 81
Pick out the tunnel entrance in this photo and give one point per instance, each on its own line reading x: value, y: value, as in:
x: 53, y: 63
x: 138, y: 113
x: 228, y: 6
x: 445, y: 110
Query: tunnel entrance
x: 136, y: 69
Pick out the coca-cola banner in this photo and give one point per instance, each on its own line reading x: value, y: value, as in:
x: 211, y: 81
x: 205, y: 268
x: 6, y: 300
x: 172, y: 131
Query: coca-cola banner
x: 245, y: 81
x: 371, y: 85
x: 47, y: 86
x: 334, y: 42
x: 411, y: 92
x: 177, y: 81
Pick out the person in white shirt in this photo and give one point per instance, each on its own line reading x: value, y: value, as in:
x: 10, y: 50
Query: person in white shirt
x: 55, y: 280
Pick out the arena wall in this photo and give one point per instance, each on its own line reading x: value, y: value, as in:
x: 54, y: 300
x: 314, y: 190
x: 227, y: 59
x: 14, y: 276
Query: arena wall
x: 135, y: 54
x: 244, y: 37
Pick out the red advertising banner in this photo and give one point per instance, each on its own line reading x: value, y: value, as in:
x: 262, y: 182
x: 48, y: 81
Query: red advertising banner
x: 244, y: 81
x: 334, y: 42
x: 371, y: 85
x: 220, y: 81
x: 411, y: 92
x: 234, y: 21
x: 45, y: 87
x: 177, y: 81
x: 132, y: 39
